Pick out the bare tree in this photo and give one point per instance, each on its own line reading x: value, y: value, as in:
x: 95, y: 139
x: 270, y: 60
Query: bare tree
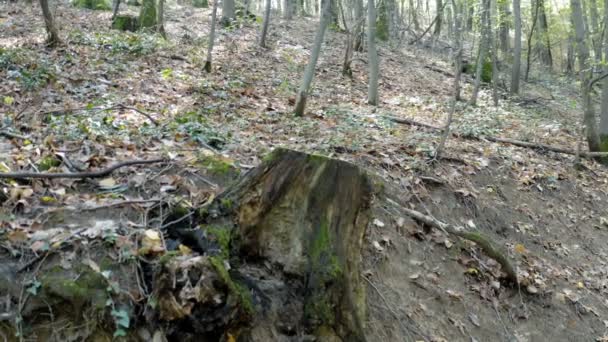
x: 483, y: 49
x: 211, y: 37
x: 535, y: 9
x: 414, y: 13
x: 312, y: 62
x: 503, y: 23
x: 493, y: 36
x: 372, y: 88
x: 457, y: 73
x: 266, y: 23
x: 51, y: 29
x: 516, y: 71
x: 438, y: 22
x: 586, y: 74
x: 160, y: 20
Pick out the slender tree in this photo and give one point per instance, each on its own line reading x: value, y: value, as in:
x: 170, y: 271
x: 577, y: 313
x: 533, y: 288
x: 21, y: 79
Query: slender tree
x: 115, y: 7
x: 358, y: 27
x: 160, y: 18
x: 439, y: 20
x: 586, y: 74
x: 372, y: 89
x: 312, y: 62
x: 228, y: 12
x: 493, y: 36
x: 604, y: 106
x: 483, y: 49
x: 516, y: 71
x: 211, y: 37
x: 595, y: 31
x: 414, y: 12
x: 51, y: 29
x: 503, y: 23
x: 535, y: 9
x: 266, y: 23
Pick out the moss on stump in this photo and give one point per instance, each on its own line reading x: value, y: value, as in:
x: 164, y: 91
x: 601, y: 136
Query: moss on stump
x: 125, y: 23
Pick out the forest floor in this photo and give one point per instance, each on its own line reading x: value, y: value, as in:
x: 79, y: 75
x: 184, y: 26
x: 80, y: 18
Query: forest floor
x: 88, y: 104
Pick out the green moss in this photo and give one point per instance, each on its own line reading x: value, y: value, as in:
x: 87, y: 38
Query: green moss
x: 88, y: 287
x: 168, y: 256
x: 223, y: 236
x: 216, y: 166
x: 200, y: 3
x: 241, y: 292
x: 147, y: 15
x: 102, y: 5
x: 48, y: 162
x: 125, y: 23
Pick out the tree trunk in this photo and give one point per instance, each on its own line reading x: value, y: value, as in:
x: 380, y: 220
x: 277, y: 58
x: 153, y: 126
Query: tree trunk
x: 543, y: 41
x: 288, y: 7
x: 515, y: 72
x: 604, y: 106
x: 470, y: 15
x: 493, y: 36
x: 596, y: 33
x: 534, y: 16
x: 439, y: 19
x: 504, y: 20
x: 372, y: 88
x: 414, y: 13
x: 266, y: 23
x: 312, y: 63
x: 483, y: 49
x: 160, y: 20
x: 211, y: 37
x: 115, y: 9
x: 586, y: 74
x: 358, y: 27
x: 147, y: 14
x: 51, y: 29
x: 228, y: 12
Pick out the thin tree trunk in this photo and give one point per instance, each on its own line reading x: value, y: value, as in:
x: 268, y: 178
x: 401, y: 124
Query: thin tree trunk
x: 504, y: 26
x: 115, y: 9
x: 211, y: 37
x: 457, y: 73
x: 543, y: 41
x: 160, y: 20
x: 604, y: 106
x: 483, y: 49
x: 585, y: 75
x: 494, y: 46
x: 266, y: 23
x: 515, y: 72
x: 312, y: 63
x: 51, y: 29
x: 414, y: 12
x: 438, y: 22
x: 529, y: 42
x: 372, y: 88
x: 228, y: 12
x: 595, y: 31
x: 358, y: 28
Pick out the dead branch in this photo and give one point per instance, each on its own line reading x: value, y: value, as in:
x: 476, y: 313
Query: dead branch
x: 89, y: 174
x: 519, y: 143
x: 485, y: 244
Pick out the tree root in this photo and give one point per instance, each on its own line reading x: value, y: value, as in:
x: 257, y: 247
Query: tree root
x: 484, y: 243
x: 519, y: 143
x: 90, y: 174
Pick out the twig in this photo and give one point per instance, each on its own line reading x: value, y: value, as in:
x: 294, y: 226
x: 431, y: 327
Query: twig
x: 535, y: 146
x: 168, y: 224
x: 12, y: 135
x: 90, y: 174
x: 486, y: 245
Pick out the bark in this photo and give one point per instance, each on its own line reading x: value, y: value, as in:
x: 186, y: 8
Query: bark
x: 211, y: 42
x: 147, y: 15
x: 603, y: 132
x: 586, y: 74
x: 483, y: 49
x: 438, y: 22
x: 160, y: 20
x: 595, y: 31
x: 504, y: 15
x: 312, y: 63
x: 515, y: 72
x: 372, y: 87
x: 266, y: 23
x: 288, y: 9
x: 494, y: 46
x: 228, y: 12
x: 49, y: 22
x: 358, y: 27
x: 543, y: 41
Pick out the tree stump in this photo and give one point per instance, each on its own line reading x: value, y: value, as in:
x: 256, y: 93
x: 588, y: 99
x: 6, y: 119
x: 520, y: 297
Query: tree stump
x: 285, y: 242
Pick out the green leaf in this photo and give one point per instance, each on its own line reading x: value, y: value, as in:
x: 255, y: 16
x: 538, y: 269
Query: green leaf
x: 8, y: 100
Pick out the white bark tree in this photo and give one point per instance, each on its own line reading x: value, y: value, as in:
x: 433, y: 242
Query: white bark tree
x: 211, y: 37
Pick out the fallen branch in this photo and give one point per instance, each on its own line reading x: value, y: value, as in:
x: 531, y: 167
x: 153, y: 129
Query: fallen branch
x: 535, y: 146
x: 89, y: 174
x: 486, y: 245
x: 114, y: 107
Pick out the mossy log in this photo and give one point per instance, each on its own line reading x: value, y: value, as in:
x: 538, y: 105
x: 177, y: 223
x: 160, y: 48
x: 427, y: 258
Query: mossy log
x: 291, y: 231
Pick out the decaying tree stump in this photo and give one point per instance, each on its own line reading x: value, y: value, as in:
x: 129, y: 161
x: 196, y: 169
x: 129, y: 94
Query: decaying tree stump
x: 285, y: 242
